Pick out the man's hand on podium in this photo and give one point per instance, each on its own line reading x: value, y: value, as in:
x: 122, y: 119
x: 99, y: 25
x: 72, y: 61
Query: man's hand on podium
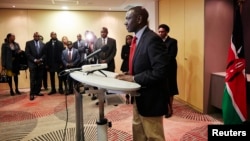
x: 125, y: 77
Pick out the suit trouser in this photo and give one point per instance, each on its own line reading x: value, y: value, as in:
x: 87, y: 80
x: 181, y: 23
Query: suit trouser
x: 52, y: 81
x: 147, y: 128
x: 68, y: 82
x: 35, y: 80
x: 44, y: 80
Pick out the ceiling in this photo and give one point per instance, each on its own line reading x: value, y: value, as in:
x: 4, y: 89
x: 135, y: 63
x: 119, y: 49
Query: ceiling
x: 113, y: 5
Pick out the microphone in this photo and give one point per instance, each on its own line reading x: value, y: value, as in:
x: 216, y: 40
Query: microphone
x: 89, y: 68
x: 104, y: 48
x: 73, y: 69
x: 93, y: 67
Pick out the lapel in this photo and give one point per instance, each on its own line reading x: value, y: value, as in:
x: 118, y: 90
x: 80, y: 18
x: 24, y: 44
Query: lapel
x: 100, y: 43
x: 73, y: 54
x: 67, y: 54
x: 168, y: 41
x: 108, y: 41
x: 140, y: 44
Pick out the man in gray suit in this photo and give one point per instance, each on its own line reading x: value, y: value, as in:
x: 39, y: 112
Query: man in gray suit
x: 108, y: 55
x: 81, y: 46
x: 70, y: 59
x: 34, y: 50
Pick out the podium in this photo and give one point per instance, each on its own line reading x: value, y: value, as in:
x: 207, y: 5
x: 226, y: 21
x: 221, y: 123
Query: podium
x: 104, y: 81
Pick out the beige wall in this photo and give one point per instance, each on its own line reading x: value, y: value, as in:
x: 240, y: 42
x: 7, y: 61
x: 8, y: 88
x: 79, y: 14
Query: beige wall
x: 186, y: 21
x: 203, y: 30
x: 23, y: 23
x: 218, y: 29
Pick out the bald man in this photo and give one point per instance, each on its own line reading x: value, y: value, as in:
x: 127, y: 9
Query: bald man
x: 35, y: 52
x: 54, y: 64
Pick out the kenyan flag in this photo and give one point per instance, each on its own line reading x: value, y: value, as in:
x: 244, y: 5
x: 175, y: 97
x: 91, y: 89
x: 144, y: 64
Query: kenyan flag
x: 234, y: 105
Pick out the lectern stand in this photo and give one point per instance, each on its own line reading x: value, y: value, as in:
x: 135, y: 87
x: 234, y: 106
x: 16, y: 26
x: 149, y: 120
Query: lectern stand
x: 103, y: 83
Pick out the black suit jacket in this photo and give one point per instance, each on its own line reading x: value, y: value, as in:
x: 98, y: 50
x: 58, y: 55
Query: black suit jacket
x: 150, y: 64
x: 172, y: 49
x: 54, y: 55
x: 125, y: 57
x: 31, y: 53
x: 10, y: 57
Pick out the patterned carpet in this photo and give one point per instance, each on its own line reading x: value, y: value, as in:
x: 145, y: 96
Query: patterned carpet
x: 52, y: 118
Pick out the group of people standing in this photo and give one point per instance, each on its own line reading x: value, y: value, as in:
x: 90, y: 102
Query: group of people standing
x: 54, y: 57
x: 152, y: 65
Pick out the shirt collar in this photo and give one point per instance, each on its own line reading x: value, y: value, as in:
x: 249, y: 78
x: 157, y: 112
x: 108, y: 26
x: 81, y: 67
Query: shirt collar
x: 164, y: 39
x: 139, y: 34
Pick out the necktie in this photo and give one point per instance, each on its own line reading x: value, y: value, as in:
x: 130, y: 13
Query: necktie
x: 79, y: 44
x: 103, y: 41
x: 69, y: 56
x: 131, y: 54
x: 37, y: 47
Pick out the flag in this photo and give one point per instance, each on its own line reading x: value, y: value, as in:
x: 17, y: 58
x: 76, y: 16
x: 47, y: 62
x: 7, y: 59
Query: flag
x: 234, y: 104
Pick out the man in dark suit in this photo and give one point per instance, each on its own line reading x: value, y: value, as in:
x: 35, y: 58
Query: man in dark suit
x: 149, y: 69
x: 108, y: 55
x: 172, y: 49
x: 70, y: 59
x: 34, y: 50
x: 54, y: 64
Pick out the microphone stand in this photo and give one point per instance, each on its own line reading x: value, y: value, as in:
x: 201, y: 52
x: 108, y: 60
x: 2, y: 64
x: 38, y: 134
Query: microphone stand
x: 97, y: 70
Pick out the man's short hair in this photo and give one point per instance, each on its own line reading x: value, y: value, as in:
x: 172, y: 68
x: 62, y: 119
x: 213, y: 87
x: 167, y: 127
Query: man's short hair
x: 164, y: 26
x: 105, y: 29
x: 69, y: 43
x: 139, y: 10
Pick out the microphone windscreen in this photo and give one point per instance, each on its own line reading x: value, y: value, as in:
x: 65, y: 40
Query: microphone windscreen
x: 105, y: 48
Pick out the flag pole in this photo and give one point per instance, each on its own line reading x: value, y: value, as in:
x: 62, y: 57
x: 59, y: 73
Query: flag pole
x: 244, y: 13
x: 240, y: 3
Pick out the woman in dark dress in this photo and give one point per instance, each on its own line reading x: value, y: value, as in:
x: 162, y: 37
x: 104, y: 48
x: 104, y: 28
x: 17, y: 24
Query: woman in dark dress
x: 125, y: 58
x: 10, y: 61
x: 172, y: 50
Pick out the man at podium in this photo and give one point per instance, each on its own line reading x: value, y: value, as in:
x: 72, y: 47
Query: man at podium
x: 148, y: 67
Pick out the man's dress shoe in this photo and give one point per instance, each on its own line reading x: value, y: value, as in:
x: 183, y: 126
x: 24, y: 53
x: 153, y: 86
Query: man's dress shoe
x: 39, y: 94
x: 52, y: 92
x: 32, y: 97
x: 12, y: 93
x: 61, y: 91
x: 18, y: 92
